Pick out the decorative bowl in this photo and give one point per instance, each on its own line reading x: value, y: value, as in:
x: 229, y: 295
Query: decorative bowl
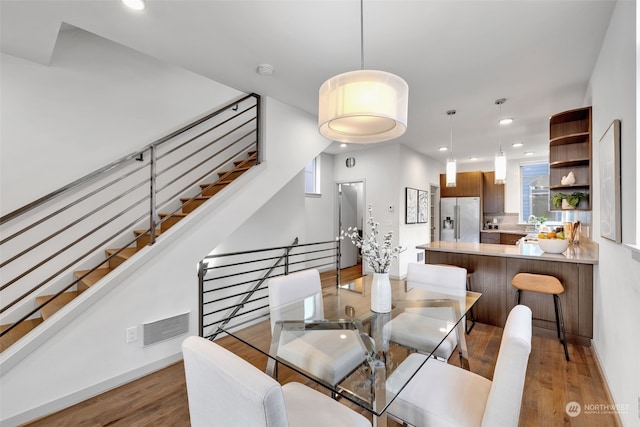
x: 553, y: 246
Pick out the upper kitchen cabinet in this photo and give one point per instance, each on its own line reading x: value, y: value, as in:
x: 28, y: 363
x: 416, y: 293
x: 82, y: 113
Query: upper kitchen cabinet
x: 570, y: 151
x: 493, y: 194
x: 468, y: 184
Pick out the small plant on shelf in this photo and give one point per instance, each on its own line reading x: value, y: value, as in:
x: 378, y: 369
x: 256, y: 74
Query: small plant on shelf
x: 572, y: 199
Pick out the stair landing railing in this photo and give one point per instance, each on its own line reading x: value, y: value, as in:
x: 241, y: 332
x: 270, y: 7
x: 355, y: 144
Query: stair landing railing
x: 45, y: 242
x: 234, y: 286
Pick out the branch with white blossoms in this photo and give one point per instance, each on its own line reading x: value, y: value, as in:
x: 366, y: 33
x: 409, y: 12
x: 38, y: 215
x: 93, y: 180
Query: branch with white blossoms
x: 378, y: 256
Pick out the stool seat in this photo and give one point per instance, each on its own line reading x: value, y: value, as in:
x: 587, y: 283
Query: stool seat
x: 537, y: 283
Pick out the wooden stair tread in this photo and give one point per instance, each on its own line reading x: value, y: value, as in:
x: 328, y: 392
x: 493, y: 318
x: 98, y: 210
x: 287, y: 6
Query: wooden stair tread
x: 139, y: 232
x: 223, y: 182
x: 55, y: 305
x: 92, y: 277
x: 18, y: 332
x: 178, y: 214
x: 192, y: 199
x: 124, y: 253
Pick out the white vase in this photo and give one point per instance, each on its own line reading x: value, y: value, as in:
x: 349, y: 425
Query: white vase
x: 381, y: 293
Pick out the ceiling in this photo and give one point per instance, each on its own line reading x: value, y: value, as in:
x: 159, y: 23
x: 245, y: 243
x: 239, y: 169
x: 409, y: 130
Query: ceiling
x: 460, y: 55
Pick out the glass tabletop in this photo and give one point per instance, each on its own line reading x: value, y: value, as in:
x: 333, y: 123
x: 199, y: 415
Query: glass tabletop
x: 335, y: 339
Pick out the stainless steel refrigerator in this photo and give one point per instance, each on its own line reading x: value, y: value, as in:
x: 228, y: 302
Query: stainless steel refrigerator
x: 460, y: 219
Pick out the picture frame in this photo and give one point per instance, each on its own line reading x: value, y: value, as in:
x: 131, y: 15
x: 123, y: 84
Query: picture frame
x: 423, y: 206
x: 610, y: 178
x: 411, y: 205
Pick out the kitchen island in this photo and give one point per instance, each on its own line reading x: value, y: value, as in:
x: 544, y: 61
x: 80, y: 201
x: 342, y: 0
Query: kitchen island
x: 493, y: 266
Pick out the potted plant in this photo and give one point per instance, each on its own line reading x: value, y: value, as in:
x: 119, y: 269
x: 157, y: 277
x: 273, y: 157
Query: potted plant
x: 568, y: 201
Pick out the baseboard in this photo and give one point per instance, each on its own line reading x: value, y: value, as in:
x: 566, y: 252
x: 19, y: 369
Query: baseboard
x: 89, y: 392
x: 607, y: 390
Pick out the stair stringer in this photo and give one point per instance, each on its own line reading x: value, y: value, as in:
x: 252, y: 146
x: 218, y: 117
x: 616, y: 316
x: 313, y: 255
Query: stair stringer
x: 81, y: 351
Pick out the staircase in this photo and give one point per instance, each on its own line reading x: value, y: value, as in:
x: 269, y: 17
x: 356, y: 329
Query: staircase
x: 241, y: 159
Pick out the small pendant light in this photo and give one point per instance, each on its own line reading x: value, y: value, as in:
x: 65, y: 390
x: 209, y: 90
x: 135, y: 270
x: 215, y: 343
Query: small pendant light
x: 451, y: 161
x: 500, y: 165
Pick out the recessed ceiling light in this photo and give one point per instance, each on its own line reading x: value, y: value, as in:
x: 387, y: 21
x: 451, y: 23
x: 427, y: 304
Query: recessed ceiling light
x: 343, y: 145
x: 506, y: 121
x: 443, y: 149
x: 135, y: 4
x: 473, y: 158
x: 529, y: 153
x: 517, y: 144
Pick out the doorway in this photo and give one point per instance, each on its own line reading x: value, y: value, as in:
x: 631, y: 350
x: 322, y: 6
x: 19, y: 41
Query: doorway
x: 350, y: 214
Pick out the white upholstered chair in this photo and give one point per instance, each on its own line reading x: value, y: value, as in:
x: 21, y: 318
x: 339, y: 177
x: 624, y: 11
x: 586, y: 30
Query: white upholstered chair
x: 329, y: 355
x: 225, y: 390
x: 442, y: 395
x: 412, y: 329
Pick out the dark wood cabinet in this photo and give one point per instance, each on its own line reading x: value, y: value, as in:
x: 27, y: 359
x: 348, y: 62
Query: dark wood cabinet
x: 486, y: 237
x: 468, y: 184
x: 510, y: 238
x: 570, y: 151
x: 493, y: 194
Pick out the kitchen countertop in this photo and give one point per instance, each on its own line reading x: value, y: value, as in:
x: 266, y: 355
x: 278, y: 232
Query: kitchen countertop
x: 584, y: 253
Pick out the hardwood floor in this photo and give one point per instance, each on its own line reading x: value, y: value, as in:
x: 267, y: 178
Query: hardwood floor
x: 160, y: 399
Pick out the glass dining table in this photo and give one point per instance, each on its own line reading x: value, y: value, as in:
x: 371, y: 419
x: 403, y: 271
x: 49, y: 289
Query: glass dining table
x: 314, y: 336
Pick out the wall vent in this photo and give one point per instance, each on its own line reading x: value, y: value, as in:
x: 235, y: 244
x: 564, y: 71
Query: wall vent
x: 165, y: 329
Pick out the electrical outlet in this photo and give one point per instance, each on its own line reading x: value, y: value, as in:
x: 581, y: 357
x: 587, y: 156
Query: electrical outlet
x: 132, y: 334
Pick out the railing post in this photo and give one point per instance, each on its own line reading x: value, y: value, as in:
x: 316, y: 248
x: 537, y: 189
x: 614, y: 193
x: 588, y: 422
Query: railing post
x: 338, y: 256
x: 152, y: 195
x: 202, y: 271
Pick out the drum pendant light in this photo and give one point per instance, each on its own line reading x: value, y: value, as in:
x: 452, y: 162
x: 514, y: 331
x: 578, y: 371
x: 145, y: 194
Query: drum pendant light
x: 363, y: 106
x: 451, y: 161
x: 500, y: 164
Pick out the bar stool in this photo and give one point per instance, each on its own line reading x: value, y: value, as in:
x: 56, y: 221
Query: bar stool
x: 545, y: 285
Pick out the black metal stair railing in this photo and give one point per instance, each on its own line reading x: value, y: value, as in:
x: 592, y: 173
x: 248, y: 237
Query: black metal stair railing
x: 233, y: 286
x: 45, y: 242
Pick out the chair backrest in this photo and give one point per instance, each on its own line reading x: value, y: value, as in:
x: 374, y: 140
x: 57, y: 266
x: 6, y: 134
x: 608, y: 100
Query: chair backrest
x: 445, y: 278
x: 505, y: 396
x: 225, y: 390
x: 292, y: 288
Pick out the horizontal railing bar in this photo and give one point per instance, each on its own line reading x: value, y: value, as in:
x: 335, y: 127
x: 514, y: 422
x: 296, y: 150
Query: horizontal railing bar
x: 116, y: 163
x: 70, y: 205
x: 264, y: 250
x: 215, y: 267
x: 249, y: 292
x: 253, y: 319
x: 211, y: 313
x: 246, y: 282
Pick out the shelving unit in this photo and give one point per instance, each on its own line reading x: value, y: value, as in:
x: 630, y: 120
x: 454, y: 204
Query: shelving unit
x: 570, y: 151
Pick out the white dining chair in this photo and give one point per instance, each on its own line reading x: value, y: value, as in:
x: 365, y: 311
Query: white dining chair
x: 329, y: 355
x: 443, y: 395
x: 420, y: 329
x: 225, y: 390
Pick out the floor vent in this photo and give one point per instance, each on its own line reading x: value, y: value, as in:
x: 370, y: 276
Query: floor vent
x: 165, y: 329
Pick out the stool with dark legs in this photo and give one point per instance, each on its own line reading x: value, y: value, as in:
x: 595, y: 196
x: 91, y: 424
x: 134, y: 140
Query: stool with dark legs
x: 546, y: 285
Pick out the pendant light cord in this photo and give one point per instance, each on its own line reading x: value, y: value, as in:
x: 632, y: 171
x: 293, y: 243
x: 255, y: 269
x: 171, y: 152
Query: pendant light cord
x: 361, y: 35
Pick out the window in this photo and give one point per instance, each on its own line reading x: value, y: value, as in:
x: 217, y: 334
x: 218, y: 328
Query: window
x: 312, y: 177
x: 534, y: 180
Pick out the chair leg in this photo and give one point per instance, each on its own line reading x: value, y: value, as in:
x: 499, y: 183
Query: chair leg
x: 517, y: 296
x: 560, y: 320
x: 555, y: 307
x: 472, y: 316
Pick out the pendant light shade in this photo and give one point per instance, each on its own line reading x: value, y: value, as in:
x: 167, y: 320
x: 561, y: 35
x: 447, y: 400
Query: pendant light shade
x: 451, y: 161
x: 500, y: 163
x: 500, y: 167
x: 363, y: 106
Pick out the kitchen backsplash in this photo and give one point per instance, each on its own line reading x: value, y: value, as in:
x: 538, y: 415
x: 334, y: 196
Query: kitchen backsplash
x: 509, y: 221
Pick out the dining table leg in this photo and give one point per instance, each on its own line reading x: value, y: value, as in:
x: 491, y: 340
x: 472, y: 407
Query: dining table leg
x: 379, y: 372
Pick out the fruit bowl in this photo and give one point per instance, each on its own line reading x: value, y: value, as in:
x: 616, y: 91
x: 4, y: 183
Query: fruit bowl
x: 553, y: 246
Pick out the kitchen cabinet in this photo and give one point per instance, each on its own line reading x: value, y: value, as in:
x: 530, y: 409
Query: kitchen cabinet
x: 468, y: 184
x: 493, y: 194
x: 500, y: 238
x: 510, y: 238
x: 570, y: 151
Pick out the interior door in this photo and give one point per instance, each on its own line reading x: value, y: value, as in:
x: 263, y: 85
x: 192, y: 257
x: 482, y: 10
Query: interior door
x: 349, y: 208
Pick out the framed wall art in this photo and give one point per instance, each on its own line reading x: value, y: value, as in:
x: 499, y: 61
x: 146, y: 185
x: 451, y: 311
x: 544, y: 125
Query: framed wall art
x: 411, y: 208
x: 423, y: 206
x: 610, y: 214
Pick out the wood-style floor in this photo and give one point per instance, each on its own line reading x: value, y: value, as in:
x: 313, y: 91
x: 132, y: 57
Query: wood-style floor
x: 160, y: 399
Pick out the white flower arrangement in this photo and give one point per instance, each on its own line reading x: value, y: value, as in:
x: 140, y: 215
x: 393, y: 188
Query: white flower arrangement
x: 379, y: 257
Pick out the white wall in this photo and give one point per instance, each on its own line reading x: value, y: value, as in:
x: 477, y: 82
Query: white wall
x: 321, y: 212
x: 617, y: 288
x: 86, y: 110
x: 416, y: 171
